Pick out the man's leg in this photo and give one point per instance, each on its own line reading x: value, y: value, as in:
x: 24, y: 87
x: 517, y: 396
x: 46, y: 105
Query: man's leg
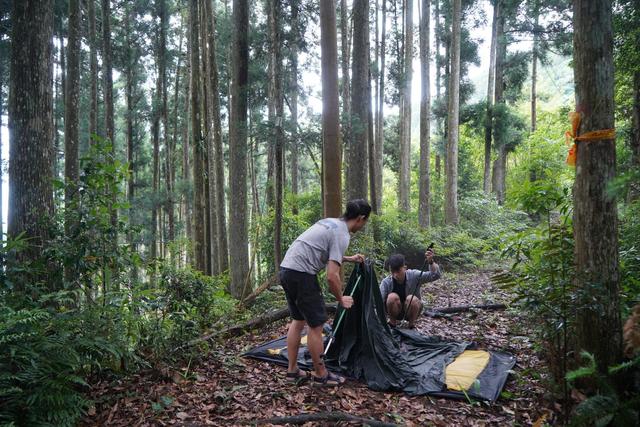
x: 414, y: 307
x: 394, y: 308
x: 316, y: 348
x: 293, y: 343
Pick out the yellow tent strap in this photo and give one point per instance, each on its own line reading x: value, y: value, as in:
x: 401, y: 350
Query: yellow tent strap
x: 276, y: 351
x: 462, y: 372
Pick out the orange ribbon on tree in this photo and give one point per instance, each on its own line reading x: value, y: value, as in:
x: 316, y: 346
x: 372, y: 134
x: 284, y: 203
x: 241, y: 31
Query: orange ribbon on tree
x: 594, y: 135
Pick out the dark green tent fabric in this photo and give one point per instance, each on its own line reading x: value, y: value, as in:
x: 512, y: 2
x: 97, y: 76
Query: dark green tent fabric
x: 366, y: 349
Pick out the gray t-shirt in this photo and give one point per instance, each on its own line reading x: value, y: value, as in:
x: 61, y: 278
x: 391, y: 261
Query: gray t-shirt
x: 326, y: 240
x: 411, y: 282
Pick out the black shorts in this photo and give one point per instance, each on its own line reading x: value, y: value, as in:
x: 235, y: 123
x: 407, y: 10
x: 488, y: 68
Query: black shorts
x: 304, y: 296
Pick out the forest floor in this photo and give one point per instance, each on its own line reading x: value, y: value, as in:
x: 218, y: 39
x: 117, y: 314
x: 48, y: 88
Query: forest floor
x: 225, y: 389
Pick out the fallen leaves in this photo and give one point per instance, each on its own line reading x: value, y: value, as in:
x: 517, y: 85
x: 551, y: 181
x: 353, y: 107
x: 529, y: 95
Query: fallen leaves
x: 225, y: 390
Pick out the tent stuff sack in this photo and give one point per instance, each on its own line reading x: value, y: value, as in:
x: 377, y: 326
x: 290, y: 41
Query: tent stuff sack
x: 365, y: 348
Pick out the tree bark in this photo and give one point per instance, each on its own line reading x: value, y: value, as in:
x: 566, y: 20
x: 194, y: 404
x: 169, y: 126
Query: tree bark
x: 59, y: 105
x: 199, y: 244
x: 438, y: 29
x: 373, y: 195
x: 93, y: 71
x: 379, y: 138
x: 534, y: 73
x: 176, y: 100
x: 424, y: 210
x: 404, y: 181
x: 129, y: 72
x: 488, y: 124
x: 634, y: 193
x: 31, y: 124
x: 186, y: 164
x: 238, y: 250
x: 293, y: 88
x: 500, y: 163
x: 595, y: 225
x: 155, y: 135
x: 451, y: 195
x: 331, y: 147
x: 345, y: 41
x: 357, y: 180
x: 108, y: 95
x: 218, y: 156
x: 71, y: 104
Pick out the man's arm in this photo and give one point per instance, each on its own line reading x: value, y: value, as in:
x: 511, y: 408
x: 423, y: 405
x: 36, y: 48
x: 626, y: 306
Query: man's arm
x: 335, y: 284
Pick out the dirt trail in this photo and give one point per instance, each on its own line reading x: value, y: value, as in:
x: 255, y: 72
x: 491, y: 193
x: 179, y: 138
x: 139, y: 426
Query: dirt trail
x: 227, y: 390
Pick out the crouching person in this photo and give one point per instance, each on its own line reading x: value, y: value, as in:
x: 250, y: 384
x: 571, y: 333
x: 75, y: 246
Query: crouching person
x: 401, y: 289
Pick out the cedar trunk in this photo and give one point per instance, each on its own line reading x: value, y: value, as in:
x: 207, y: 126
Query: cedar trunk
x: 500, y: 163
x: 595, y: 225
x: 451, y: 191
x: 634, y: 192
x: 93, y: 70
x: 405, y: 117
x: 345, y: 42
x: 488, y: 124
x: 379, y: 137
x: 293, y: 88
x: 357, y: 176
x: 31, y: 124
x: 238, y: 251
x: 331, y: 147
x: 424, y: 209
x: 71, y: 103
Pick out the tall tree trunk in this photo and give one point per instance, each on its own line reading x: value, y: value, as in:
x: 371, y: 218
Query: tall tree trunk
x: 155, y: 135
x: 488, y: 124
x: 634, y: 192
x: 199, y: 244
x: 345, y: 48
x: 59, y: 105
x: 186, y: 164
x: 108, y: 94
x: 168, y: 142
x: 331, y: 147
x: 129, y: 70
x: 71, y: 142
x: 275, y: 11
x: 595, y: 227
x: 451, y: 194
x: 93, y: 71
x: 424, y: 210
x: 31, y: 124
x: 534, y: 72
x: 500, y: 163
x: 210, y: 238
x: 238, y: 250
x: 218, y: 156
x: 176, y: 100
x: 379, y: 138
x: 439, y: 129
x: 293, y: 88
x: 1, y: 169
x: 405, y: 138
x: 357, y: 184
x: 371, y: 149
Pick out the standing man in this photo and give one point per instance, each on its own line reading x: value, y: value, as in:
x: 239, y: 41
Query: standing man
x: 322, y: 245
x: 401, y: 289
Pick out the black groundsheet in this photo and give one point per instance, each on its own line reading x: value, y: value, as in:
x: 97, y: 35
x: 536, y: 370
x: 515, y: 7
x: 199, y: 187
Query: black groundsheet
x: 367, y: 349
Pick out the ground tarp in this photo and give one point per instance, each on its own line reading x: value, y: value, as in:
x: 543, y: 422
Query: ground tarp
x: 366, y: 349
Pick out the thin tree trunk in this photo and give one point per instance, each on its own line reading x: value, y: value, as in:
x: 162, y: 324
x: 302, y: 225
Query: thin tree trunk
x: 379, y: 138
x: 210, y: 238
x: 169, y: 148
x: 186, y: 164
x: 275, y: 10
x: 357, y: 180
x: 405, y: 139
x: 331, y: 147
x: 59, y: 106
x: 345, y: 48
x: 93, y: 71
x: 371, y: 149
x: 488, y: 124
x: 293, y: 87
x: 595, y: 228
x: 534, y: 72
x: 218, y: 156
x: 172, y: 166
x: 199, y: 244
x: 238, y: 250
x: 451, y: 194
x: 31, y: 124
x: 108, y: 96
x: 155, y: 132
x: 424, y: 210
x: 129, y: 72
x: 634, y: 192
x: 439, y: 129
x: 499, y: 164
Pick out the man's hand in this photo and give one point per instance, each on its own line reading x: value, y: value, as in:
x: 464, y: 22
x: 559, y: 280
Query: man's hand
x: 355, y: 258
x: 346, y: 301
